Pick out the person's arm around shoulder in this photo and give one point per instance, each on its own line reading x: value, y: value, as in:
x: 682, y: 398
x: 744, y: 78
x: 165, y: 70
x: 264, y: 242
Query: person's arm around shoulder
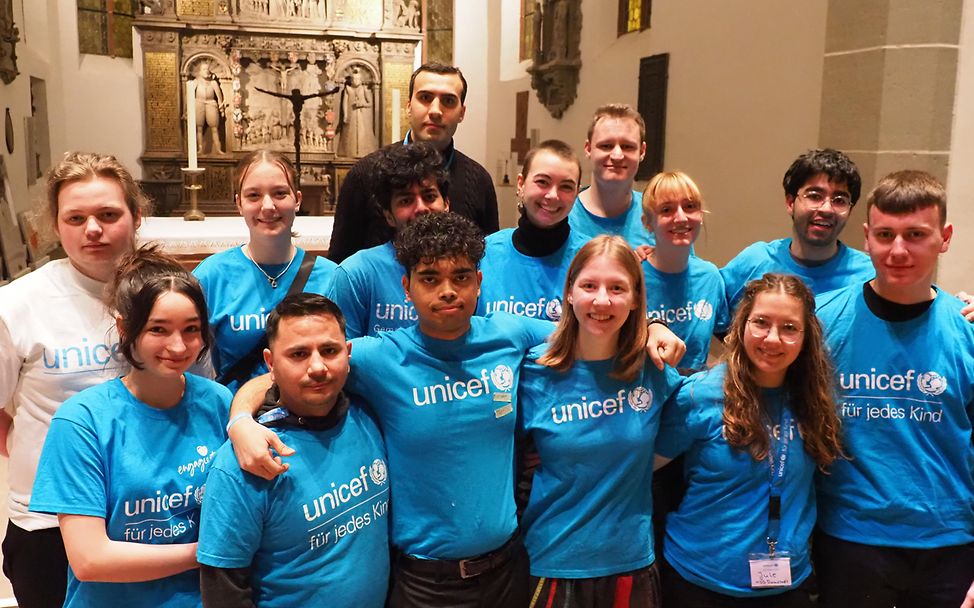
x: 252, y: 442
x: 663, y: 346
x: 96, y: 558
x: 968, y: 310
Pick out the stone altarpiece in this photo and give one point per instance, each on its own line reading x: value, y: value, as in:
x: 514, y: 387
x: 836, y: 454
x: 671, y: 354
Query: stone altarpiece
x: 251, y: 59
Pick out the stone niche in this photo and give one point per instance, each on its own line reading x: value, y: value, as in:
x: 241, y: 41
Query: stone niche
x: 253, y: 62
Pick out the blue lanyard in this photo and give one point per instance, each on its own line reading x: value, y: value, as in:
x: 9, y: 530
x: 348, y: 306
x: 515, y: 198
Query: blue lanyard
x: 777, y: 459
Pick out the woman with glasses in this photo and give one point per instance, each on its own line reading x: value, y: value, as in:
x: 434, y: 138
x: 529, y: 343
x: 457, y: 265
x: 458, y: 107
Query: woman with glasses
x: 754, y: 429
x: 681, y: 289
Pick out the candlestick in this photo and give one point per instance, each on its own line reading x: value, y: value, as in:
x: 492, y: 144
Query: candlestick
x: 396, y: 113
x: 191, y: 123
x: 191, y: 179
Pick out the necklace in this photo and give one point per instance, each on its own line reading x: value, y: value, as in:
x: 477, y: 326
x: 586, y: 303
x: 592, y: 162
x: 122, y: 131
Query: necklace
x: 270, y: 279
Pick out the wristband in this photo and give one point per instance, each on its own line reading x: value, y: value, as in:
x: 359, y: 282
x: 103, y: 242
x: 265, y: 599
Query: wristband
x: 235, y: 419
x: 657, y: 320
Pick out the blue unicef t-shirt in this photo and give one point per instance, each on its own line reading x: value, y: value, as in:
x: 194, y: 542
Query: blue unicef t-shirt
x: 629, y: 225
x: 590, y: 510
x: 140, y: 468
x: 317, y: 534
x: 847, y: 267
x: 447, y: 411
x: 691, y: 302
x: 906, y: 400
x: 520, y: 284
x: 368, y: 289
x: 239, y: 299
x: 724, y: 515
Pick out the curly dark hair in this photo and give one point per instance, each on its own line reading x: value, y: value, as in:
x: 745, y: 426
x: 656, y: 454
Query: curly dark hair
x: 432, y: 236
x: 398, y: 167
x: 836, y: 165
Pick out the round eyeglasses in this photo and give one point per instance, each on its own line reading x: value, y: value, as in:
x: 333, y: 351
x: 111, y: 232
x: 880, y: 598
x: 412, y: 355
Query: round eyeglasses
x: 788, y: 333
x: 841, y: 203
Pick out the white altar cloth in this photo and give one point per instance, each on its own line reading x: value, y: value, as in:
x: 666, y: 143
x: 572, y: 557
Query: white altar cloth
x: 215, y: 234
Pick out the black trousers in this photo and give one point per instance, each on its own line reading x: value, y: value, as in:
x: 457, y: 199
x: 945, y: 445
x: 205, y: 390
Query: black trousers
x: 681, y: 593
x: 414, y: 585
x: 636, y: 589
x: 866, y: 576
x: 36, y: 565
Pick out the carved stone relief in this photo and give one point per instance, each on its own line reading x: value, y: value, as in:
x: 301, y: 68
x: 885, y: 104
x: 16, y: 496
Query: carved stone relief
x: 9, y: 36
x: 557, y: 57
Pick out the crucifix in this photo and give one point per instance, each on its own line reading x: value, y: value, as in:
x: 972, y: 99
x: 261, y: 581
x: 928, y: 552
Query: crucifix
x: 521, y: 143
x: 297, y: 104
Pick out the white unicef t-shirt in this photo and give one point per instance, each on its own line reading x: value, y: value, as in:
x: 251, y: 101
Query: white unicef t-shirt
x: 56, y: 339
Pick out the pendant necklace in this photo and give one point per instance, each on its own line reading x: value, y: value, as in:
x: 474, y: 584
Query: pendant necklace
x: 270, y: 279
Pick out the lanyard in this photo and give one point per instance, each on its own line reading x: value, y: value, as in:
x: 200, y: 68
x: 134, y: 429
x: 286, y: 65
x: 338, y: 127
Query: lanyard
x: 777, y: 458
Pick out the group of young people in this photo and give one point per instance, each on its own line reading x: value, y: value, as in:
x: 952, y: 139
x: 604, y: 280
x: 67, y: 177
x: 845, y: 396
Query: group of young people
x: 388, y: 409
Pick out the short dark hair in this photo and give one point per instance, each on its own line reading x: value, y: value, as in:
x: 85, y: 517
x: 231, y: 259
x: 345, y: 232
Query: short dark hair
x: 440, y: 68
x: 556, y: 147
x: 433, y: 236
x: 836, y: 165
x: 301, y: 305
x: 399, y: 166
x: 141, y: 276
x: 908, y: 191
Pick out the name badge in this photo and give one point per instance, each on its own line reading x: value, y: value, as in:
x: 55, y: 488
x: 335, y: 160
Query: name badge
x: 502, y: 397
x: 768, y: 572
x: 503, y: 411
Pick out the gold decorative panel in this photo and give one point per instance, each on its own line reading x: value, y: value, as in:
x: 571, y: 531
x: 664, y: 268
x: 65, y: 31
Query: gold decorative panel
x: 194, y: 8
x: 161, y: 77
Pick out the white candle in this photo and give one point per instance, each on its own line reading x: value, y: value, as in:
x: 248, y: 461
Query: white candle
x: 191, y: 122
x: 396, y: 112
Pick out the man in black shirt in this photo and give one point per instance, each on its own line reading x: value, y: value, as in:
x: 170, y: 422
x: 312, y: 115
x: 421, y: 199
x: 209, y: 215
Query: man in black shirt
x: 436, y: 108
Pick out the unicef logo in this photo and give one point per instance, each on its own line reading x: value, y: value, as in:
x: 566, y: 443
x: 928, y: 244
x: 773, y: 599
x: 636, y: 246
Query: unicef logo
x: 640, y: 399
x: 931, y: 383
x: 553, y: 310
x: 703, y: 310
x: 198, y: 494
x: 502, y: 377
x: 378, y: 472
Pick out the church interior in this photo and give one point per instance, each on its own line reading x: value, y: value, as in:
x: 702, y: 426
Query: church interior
x: 731, y: 92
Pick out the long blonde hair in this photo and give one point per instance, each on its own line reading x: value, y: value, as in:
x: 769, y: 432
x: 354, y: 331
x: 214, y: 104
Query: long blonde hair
x: 631, y: 351
x: 809, y: 381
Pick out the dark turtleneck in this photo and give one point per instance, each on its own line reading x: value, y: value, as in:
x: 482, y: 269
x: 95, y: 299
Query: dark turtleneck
x: 536, y: 242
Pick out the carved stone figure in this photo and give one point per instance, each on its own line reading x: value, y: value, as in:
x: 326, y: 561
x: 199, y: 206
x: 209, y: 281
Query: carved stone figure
x: 408, y: 14
x: 356, y: 134
x: 209, y: 109
x: 557, y: 58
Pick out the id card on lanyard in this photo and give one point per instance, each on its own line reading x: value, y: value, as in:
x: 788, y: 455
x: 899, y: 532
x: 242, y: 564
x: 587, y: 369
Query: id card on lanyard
x: 773, y: 569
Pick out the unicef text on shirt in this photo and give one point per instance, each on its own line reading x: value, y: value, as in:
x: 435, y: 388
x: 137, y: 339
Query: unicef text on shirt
x: 702, y: 310
x: 914, y: 409
x: 81, y: 357
x: 373, y: 507
x: 640, y: 399
x: 542, y: 309
x: 502, y: 377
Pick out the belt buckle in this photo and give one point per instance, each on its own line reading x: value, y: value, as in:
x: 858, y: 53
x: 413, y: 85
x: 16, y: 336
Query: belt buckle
x: 464, y: 574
